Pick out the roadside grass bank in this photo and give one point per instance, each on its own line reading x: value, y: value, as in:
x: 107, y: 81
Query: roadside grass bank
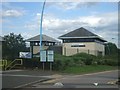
x: 88, y: 69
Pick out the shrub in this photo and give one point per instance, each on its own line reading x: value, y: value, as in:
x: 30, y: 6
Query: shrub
x: 111, y: 62
x: 59, y: 63
x: 86, y: 58
x: 101, y: 61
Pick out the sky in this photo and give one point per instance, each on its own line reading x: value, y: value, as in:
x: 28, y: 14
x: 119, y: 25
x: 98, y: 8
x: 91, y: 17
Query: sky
x: 60, y: 18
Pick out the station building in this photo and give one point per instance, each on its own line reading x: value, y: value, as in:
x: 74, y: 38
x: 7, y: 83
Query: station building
x: 82, y: 40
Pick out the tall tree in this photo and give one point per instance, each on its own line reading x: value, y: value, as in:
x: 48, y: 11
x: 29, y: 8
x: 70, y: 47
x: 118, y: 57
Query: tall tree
x: 111, y: 49
x: 12, y: 46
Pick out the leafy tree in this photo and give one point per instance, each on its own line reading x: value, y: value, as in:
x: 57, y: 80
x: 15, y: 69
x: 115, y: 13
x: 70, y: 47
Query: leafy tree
x: 12, y: 46
x: 111, y: 49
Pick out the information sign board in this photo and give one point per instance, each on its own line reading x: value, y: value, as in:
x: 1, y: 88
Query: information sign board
x: 50, y: 56
x: 43, y: 56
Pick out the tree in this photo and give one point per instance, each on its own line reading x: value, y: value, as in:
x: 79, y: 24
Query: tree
x: 12, y: 46
x: 111, y: 49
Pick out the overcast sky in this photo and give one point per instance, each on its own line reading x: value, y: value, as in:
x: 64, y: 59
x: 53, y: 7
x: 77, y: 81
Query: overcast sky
x: 100, y: 18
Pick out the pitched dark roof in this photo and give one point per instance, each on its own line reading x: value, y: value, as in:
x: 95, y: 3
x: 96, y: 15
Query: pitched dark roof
x: 80, y: 33
x: 44, y: 38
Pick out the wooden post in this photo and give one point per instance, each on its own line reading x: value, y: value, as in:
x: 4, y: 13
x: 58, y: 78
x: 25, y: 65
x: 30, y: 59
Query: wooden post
x: 43, y: 66
x: 50, y: 66
x: 77, y: 50
x: 88, y: 51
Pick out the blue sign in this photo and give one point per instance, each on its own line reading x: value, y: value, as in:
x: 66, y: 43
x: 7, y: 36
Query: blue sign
x: 43, y: 56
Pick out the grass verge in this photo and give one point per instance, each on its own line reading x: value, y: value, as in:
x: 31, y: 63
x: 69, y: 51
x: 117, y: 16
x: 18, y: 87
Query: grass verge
x: 88, y: 69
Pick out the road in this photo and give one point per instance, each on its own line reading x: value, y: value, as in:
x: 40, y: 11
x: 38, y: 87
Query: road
x: 95, y: 80
x: 42, y: 79
x: 18, y: 79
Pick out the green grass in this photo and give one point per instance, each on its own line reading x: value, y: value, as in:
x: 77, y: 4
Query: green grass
x: 88, y: 69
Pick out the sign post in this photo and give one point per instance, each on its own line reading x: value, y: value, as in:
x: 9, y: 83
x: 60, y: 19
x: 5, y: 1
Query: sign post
x: 50, y: 58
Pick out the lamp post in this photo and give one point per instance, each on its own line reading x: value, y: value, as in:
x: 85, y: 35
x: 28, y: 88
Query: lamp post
x: 41, y: 19
x: 41, y: 25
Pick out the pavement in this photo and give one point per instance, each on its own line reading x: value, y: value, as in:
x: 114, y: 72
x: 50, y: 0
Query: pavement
x: 47, y: 79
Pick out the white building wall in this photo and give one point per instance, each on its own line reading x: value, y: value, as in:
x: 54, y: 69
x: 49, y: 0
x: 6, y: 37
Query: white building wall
x: 100, y: 47
x: 90, y: 48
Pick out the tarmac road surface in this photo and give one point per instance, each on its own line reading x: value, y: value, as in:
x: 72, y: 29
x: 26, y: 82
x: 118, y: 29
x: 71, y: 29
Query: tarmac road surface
x: 43, y: 79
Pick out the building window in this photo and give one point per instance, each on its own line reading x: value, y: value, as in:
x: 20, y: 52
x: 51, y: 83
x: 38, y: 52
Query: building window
x: 79, y: 40
x: 78, y: 45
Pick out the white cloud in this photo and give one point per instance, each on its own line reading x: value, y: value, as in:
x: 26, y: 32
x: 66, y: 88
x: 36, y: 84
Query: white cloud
x: 105, y: 20
x: 12, y: 13
x: 9, y: 10
x: 72, y: 5
x: 53, y: 23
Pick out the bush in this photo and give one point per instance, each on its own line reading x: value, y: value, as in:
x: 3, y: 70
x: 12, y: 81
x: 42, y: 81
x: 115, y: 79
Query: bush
x: 101, y: 61
x: 59, y: 62
x: 111, y: 62
x: 87, y: 59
